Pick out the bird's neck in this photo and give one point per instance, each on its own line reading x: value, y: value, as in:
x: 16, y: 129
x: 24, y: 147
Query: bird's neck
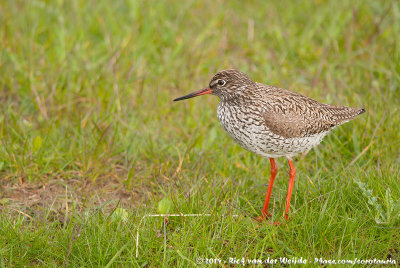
x: 233, y: 99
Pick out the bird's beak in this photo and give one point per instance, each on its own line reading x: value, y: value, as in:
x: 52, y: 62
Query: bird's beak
x: 203, y: 91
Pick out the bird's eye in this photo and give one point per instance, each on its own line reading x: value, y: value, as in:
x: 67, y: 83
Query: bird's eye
x: 221, y: 82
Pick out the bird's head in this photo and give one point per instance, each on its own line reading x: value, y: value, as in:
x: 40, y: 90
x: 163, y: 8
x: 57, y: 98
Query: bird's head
x: 225, y: 84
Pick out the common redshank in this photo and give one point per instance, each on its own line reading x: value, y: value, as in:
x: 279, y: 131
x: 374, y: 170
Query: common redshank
x: 271, y: 121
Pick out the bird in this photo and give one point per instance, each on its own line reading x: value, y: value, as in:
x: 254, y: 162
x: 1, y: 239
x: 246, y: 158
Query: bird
x: 272, y: 122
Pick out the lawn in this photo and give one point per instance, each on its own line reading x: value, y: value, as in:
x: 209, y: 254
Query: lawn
x: 91, y: 141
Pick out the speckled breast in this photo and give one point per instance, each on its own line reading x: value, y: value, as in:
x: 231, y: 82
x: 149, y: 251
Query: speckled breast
x: 246, y: 126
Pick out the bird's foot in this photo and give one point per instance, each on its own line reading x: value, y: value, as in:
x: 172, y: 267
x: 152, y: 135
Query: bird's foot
x: 263, y: 217
x: 260, y: 219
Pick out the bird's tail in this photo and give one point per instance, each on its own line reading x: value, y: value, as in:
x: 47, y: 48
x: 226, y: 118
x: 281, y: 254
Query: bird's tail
x: 343, y: 114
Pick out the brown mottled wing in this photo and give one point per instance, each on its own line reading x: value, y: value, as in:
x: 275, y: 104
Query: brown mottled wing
x: 291, y: 115
x: 292, y: 124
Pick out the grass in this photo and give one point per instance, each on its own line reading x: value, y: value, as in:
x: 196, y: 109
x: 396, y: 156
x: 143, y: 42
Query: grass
x: 86, y: 90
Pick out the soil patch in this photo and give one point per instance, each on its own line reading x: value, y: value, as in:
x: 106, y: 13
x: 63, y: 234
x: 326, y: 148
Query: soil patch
x: 60, y: 196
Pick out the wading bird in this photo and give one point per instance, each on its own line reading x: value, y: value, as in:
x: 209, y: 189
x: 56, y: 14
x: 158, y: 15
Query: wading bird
x: 271, y: 121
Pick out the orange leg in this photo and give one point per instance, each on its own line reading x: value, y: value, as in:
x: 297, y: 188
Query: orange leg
x: 292, y: 174
x: 274, y: 169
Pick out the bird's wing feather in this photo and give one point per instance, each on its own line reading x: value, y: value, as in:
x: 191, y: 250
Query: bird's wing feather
x: 290, y: 114
x: 292, y: 123
x: 282, y: 124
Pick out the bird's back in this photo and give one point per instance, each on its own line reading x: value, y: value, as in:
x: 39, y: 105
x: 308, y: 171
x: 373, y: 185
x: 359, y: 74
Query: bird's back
x: 291, y: 114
